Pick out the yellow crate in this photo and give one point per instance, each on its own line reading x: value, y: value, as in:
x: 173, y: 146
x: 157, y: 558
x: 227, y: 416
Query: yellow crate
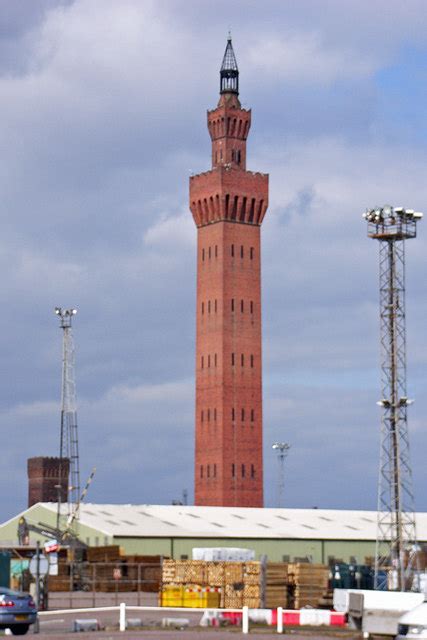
x: 192, y: 598
x: 172, y: 596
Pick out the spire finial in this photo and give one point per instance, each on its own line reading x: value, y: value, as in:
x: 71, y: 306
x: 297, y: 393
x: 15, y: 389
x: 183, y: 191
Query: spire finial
x: 229, y: 74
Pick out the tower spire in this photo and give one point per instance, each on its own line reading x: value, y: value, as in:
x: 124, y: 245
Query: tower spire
x: 229, y: 74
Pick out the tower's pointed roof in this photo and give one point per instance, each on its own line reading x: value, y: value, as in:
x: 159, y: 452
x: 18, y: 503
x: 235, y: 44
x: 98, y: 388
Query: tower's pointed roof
x: 229, y: 73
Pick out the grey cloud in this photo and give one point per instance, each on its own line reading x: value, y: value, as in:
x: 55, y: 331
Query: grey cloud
x: 100, y: 129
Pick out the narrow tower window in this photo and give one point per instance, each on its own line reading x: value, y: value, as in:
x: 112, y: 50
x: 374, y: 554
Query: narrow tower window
x: 252, y: 415
x: 252, y: 471
x: 209, y: 415
x: 203, y: 308
x: 242, y: 360
x: 202, y: 415
x: 216, y: 305
x: 251, y: 253
x: 232, y: 304
x: 233, y: 414
x: 215, y: 414
x: 243, y: 415
x: 201, y: 471
x: 242, y: 306
x: 209, y: 306
x: 252, y: 362
x: 203, y: 255
x: 216, y: 251
x: 252, y: 306
x: 233, y: 470
x: 243, y: 470
x: 209, y: 253
x: 241, y: 251
x: 202, y: 362
x: 209, y: 361
x: 215, y: 360
x: 208, y: 471
x: 232, y: 359
x: 232, y: 250
x: 214, y: 470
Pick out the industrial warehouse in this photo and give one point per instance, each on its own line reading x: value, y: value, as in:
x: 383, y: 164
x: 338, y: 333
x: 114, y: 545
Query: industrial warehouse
x: 315, y: 535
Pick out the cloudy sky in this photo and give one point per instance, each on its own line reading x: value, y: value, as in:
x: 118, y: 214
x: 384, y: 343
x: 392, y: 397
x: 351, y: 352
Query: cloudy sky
x: 102, y: 119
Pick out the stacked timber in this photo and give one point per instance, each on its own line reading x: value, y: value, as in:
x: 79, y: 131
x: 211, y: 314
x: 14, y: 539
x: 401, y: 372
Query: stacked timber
x: 307, y: 584
x: 110, y: 553
x: 145, y: 571
x: 239, y: 583
x: 276, y: 585
x: 107, y: 569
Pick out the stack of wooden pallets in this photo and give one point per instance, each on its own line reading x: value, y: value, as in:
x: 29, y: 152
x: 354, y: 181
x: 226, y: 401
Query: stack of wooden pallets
x: 307, y: 584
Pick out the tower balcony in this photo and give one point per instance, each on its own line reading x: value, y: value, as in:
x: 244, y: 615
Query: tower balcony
x: 228, y: 194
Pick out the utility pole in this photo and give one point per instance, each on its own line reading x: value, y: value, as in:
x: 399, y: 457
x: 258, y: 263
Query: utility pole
x: 282, y: 449
x: 69, y: 445
x: 396, y: 546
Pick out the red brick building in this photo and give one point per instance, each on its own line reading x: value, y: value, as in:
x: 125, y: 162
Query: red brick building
x: 228, y: 204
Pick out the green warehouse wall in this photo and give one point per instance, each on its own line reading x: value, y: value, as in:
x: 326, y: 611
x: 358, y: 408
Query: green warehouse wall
x: 276, y: 550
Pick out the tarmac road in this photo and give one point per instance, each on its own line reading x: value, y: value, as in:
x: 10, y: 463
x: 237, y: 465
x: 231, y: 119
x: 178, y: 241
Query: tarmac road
x: 191, y: 634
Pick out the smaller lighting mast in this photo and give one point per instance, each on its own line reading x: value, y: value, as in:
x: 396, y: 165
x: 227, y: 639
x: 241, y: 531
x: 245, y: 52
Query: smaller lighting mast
x: 282, y: 449
x: 396, y: 545
x: 69, y: 445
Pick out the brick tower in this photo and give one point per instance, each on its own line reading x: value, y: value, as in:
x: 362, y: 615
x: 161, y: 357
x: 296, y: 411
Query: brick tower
x: 228, y: 205
x: 45, y: 476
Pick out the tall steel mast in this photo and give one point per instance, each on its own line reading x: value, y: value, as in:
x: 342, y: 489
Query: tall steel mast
x: 282, y: 449
x: 396, y: 533
x: 69, y: 444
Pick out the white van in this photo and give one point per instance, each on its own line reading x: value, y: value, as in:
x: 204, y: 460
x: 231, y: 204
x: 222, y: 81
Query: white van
x: 413, y: 624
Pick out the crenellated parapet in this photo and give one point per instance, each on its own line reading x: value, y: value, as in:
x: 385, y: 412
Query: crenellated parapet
x: 226, y: 194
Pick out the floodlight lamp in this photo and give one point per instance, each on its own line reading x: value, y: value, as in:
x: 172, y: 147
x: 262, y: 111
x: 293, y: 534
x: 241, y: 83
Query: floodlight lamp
x: 409, y: 212
x: 384, y: 403
x: 387, y: 210
x: 281, y: 446
x: 73, y: 312
x: 418, y: 215
x: 58, y: 311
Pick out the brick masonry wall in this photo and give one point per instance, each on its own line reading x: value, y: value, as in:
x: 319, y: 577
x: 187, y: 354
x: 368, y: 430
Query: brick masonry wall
x: 229, y: 367
x: 228, y: 205
x: 44, y: 474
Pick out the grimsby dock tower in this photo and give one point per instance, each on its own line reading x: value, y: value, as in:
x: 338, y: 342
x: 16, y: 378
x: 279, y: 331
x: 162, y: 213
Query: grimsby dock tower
x: 228, y: 204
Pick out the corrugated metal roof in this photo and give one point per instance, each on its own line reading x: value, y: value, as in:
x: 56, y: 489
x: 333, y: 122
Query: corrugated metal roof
x: 163, y: 521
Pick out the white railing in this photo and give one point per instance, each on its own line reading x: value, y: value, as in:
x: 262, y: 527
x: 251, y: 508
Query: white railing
x: 123, y: 608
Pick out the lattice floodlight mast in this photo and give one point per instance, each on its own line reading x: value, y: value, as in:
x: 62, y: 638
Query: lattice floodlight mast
x: 69, y: 445
x: 396, y: 532
x: 282, y: 449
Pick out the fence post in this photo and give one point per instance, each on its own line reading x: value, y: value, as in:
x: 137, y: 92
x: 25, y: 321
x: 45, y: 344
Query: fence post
x: 94, y: 585
x: 279, y: 619
x: 245, y: 619
x: 122, y: 619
